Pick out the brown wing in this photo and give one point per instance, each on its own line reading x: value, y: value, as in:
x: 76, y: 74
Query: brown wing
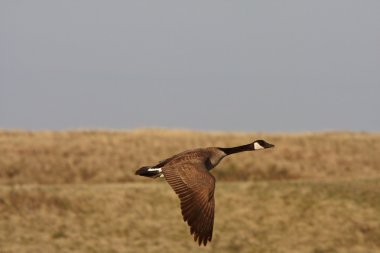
x: 195, y: 187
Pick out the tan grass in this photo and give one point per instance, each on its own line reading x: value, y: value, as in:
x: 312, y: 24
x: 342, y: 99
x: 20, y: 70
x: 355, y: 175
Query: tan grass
x: 145, y: 217
x: 113, y: 156
x: 313, y: 193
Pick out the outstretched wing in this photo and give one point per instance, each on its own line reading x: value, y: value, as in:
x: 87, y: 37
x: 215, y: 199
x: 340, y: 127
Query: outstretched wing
x: 195, y: 187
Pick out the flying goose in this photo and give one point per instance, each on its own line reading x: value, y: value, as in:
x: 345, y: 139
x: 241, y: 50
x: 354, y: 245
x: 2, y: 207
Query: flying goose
x: 188, y: 174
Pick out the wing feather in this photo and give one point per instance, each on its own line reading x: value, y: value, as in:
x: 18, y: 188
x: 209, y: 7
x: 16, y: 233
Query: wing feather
x: 195, y: 188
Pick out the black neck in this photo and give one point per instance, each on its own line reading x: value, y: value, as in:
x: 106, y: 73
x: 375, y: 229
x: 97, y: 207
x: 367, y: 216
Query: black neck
x: 237, y: 149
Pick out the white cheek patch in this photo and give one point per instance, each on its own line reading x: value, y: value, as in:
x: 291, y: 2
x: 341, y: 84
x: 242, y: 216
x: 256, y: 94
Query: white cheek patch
x: 257, y: 146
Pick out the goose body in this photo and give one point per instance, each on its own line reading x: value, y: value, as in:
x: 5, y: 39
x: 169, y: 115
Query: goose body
x: 188, y: 175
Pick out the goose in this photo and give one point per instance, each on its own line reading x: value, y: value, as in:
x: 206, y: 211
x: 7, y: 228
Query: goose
x: 188, y: 175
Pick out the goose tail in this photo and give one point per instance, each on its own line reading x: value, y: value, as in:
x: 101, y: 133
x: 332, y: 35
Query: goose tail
x: 149, y: 172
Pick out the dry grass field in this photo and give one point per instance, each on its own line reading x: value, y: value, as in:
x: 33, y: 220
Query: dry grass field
x: 113, y: 156
x: 76, y: 192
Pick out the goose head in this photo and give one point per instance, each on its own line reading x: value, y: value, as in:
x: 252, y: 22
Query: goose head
x: 261, y: 144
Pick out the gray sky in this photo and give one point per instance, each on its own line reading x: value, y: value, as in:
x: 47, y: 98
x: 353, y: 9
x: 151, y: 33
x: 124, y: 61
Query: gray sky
x: 207, y: 65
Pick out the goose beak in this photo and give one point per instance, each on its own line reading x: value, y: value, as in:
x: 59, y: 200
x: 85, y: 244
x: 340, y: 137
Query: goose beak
x: 268, y: 145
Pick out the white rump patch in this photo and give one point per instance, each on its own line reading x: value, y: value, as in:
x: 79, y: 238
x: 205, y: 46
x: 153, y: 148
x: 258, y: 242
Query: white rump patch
x: 155, y: 169
x: 257, y: 146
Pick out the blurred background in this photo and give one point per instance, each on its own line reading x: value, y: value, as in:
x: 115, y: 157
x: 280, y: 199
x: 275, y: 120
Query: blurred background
x: 92, y: 90
x: 215, y: 65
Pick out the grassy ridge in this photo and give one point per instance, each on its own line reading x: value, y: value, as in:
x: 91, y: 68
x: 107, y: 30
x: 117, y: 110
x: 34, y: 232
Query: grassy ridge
x: 76, y: 192
x: 135, y: 217
x: 113, y: 156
